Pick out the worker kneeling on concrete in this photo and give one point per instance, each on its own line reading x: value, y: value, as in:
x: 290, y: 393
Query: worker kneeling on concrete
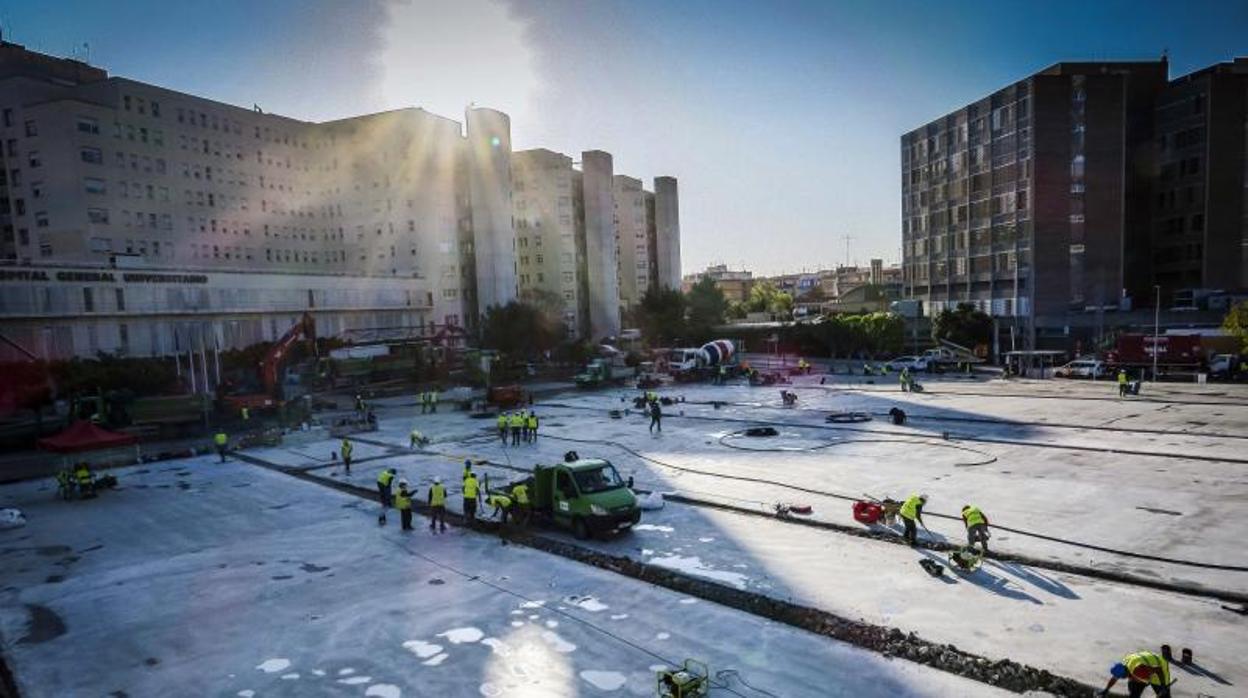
x: 976, y: 527
x: 911, y: 513
x: 1141, y: 669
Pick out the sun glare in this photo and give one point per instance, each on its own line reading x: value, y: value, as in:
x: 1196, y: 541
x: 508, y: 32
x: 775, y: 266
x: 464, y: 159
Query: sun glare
x: 443, y: 55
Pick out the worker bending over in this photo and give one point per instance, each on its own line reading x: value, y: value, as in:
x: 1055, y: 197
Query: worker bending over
x: 437, y: 506
x: 1141, y: 669
x: 418, y: 439
x: 976, y: 527
x: 912, y: 513
x: 86, y: 481
x: 502, y: 506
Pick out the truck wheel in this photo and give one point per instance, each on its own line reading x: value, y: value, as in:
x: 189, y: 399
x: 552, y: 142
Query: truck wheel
x: 579, y: 529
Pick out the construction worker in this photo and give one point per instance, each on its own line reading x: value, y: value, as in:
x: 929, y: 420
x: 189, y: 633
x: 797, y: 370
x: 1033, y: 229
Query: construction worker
x: 424, y: 402
x: 802, y: 366
x: 384, y: 478
x: 359, y: 404
x: 905, y: 379
x: 417, y: 438
x: 1141, y: 669
x: 1122, y: 382
x: 222, y: 442
x: 437, y: 506
x: 246, y: 413
x: 501, y: 504
x: 403, y: 502
x: 656, y: 417
x: 520, y: 503
x: 912, y: 512
x: 976, y: 527
x: 65, y: 483
x: 85, y: 481
x: 516, y: 422
x: 433, y: 401
x: 471, y: 494
x: 723, y: 374
x: 345, y: 449
x: 530, y: 423
x: 502, y: 426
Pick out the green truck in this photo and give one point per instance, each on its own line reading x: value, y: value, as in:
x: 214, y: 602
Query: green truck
x: 585, y: 495
x: 601, y: 372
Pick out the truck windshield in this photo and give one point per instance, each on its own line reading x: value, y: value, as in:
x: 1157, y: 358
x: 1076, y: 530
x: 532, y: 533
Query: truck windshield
x: 598, y: 479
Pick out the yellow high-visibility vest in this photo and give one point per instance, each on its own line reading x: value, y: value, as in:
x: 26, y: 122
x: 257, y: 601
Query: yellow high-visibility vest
x: 973, y: 516
x: 437, y: 495
x: 910, y: 508
x: 1161, y: 673
x: 470, y: 488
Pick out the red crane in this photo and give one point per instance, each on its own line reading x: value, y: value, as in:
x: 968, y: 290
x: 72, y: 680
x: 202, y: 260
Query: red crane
x: 271, y: 365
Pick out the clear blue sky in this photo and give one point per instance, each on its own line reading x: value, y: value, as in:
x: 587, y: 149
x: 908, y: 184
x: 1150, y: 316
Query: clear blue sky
x: 781, y: 119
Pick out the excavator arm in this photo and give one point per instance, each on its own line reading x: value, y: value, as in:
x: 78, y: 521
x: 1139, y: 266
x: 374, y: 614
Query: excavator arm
x: 271, y: 365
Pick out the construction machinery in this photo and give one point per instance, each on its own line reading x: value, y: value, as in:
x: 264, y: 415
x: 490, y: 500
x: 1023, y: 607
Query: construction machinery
x: 585, y: 495
x: 692, y: 679
x: 689, y: 364
x: 605, y: 371
x: 271, y: 368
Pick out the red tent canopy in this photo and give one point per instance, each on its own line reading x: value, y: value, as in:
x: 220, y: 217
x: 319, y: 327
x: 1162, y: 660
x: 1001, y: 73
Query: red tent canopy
x: 85, y: 436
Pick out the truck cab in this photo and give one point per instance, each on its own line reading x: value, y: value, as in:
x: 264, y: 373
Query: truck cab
x: 587, y: 496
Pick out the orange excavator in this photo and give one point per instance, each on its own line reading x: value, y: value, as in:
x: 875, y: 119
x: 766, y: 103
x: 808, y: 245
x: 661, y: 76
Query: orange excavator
x: 271, y: 366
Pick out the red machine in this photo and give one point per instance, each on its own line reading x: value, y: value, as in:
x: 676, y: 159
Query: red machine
x: 867, y: 512
x: 271, y: 365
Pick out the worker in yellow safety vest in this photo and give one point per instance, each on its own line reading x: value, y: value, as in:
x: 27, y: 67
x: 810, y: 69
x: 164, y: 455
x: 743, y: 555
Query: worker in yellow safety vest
x: 976, y: 527
x: 433, y: 401
x: 530, y: 425
x: 1122, y: 383
x: 501, y: 504
x: 86, y: 483
x: 403, y: 502
x: 502, y: 426
x: 417, y: 438
x: 345, y: 449
x: 221, y: 441
x: 246, y: 413
x: 1141, y: 669
x: 437, y: 506
x: 516, y: 422
x: 912, y: 512
x: 472, y: 492
x: 520, y: 503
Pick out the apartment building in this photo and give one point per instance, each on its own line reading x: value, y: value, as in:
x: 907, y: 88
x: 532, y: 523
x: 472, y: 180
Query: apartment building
x: 134, y: 215
x: 1023, y: 203
x: 1085, y: 189
x: 632, y: 240
x: 584, y: 238
x: 1199, y: 226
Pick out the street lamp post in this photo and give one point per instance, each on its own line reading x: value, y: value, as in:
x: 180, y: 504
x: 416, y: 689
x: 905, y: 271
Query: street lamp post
x: 1156, y: 326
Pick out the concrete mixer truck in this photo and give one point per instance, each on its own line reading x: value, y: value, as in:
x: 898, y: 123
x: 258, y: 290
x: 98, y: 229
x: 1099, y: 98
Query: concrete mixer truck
x: 689, y: 364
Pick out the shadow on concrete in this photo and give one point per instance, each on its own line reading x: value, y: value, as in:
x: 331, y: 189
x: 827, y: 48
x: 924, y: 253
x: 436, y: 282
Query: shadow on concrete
x: 1036, y: 579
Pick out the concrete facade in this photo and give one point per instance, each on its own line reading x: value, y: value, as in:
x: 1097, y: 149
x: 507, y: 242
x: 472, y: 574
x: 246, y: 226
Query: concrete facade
x: 601, y: 263
x: 631, y: 240
x: 667, y: 231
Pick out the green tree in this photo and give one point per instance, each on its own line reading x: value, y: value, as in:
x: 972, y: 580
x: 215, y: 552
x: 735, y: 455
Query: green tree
x: 965, y: 326
x: 1236, y: 324
x: 521, y: 331
x: 766, y: 298
x: 706, y: 309
x: 661, y: 316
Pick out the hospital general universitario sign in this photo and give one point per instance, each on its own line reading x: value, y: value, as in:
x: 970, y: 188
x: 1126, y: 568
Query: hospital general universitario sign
x: 100, y: 277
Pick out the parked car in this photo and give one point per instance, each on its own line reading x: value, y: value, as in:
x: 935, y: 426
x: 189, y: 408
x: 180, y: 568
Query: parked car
x: 914, y: 363
x: 1081, y: 368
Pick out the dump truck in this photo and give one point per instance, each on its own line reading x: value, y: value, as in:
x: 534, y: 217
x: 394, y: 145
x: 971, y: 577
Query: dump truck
x: 585, y: 495
x: 600, y: 372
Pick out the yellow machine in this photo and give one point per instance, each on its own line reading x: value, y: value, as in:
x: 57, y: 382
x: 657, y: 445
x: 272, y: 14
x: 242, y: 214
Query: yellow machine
x: 692, y: 679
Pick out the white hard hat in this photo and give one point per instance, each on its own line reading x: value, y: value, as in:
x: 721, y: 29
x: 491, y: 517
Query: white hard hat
x: 437, y: 481
x: 923, y: 497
